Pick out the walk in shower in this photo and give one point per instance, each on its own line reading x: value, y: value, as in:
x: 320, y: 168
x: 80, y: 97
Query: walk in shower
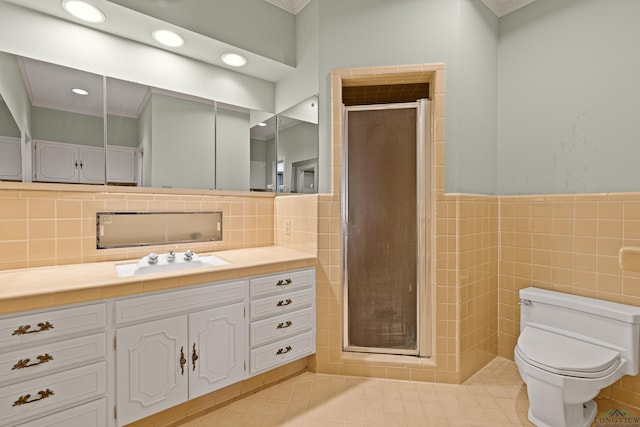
x: 386, y: 235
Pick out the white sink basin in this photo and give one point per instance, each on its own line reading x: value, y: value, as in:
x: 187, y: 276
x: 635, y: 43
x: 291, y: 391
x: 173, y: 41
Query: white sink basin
x: 164, y: 264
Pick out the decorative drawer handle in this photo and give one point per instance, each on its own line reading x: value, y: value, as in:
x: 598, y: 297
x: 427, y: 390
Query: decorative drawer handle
x: 182, y: 360
x: 194, y: 357
x: 23, y: 400
x: 284, y: 303
x: 285, y: 350
x: 23, y: 330
x: 283, y: 325
x: 284, y: 282
x: 24, y: 363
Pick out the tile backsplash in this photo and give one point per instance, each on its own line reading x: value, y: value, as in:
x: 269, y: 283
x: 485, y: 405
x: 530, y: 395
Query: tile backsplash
x: 42, y: 225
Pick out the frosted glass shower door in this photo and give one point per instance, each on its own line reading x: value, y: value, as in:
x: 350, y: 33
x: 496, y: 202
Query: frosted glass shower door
x: 382, y: 225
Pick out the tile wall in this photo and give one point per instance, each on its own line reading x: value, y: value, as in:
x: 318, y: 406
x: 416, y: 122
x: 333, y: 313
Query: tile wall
x: 50, y: 224
x: 568, y: 243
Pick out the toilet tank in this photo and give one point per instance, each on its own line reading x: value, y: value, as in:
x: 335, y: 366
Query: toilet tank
x: 608, y: 324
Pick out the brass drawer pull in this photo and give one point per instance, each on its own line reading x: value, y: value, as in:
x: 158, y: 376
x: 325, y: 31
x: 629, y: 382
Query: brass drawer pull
x: 182, y: 360
x: 194, y: 357
x: 285, y: 350
x: 23, y: 330
x: 284, y: 303
x: 24, y: 363
x: 283, y: 325
x: 284, y: 282
x: 23, y: 400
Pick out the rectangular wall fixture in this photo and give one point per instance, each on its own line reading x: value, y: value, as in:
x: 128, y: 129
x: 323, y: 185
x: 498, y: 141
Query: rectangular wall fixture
x: 126, y: 229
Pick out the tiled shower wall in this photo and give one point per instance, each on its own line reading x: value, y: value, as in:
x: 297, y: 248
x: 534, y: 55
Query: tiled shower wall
x: 568, y: 243
x: 50, y: 225
x: 463, y: 289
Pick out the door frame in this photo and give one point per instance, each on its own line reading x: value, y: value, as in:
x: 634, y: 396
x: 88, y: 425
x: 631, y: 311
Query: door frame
x: 423, y: 217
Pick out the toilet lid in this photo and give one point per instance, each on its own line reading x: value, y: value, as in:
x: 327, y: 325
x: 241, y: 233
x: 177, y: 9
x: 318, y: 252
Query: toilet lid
x: 565, y: 355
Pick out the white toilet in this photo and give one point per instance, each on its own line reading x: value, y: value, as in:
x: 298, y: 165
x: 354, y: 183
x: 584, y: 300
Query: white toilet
x: 571, y: 347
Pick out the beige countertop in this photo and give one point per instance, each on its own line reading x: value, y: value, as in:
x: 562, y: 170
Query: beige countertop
x: 36, y: 288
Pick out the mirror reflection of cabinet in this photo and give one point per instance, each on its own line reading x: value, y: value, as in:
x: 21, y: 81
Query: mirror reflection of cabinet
x: 10, y: 156
x: 70, y: 163
x: 164, y: 138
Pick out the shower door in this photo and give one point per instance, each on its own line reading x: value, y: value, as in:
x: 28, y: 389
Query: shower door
x: 384, y: 227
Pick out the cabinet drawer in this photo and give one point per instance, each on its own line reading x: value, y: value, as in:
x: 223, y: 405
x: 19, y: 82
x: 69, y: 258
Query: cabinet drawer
x: 278, y: 327
x: 33, y: 328
x: 282, y: 303
x: 93, y: 414
x: 22, y: 364
x: 176, y: 302
x: 282, y: 352
x: 41, y: 395
x: 282, y: 282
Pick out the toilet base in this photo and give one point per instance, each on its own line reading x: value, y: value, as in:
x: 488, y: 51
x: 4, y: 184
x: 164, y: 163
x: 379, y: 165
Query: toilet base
x: 590, y: 412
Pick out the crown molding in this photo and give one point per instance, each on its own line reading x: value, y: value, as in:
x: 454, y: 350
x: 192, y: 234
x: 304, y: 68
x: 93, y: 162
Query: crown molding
x: 503, y: 7
x: 291, y: 6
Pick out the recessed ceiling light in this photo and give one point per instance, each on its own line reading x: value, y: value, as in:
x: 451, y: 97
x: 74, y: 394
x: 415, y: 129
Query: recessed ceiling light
x: 234, y: 59
x: 83, y: 10
x: 168, y: 38
x: 262, y: 124
x: 79, y: 91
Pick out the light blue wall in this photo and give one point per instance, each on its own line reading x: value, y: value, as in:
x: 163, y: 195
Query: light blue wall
x: 64, y: 126
x: 460, y: 33
x: 8, y: 126
x: 122, y: 131
x: 183, y: 154
x: 232, y: 150
x: 569, y: 97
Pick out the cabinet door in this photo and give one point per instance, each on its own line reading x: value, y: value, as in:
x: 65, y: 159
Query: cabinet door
x: 91, y: 165
x: 56, y: 162
x: 10, y: 159
x: 217, y: 340
x: 151, y: 368
x: 121, y: 164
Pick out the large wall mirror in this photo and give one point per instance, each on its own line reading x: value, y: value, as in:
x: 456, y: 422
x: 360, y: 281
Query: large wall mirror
x: 297, y: 148
x: 122, y: 133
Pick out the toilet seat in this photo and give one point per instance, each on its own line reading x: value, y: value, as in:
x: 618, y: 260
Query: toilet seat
x: 564, y: 355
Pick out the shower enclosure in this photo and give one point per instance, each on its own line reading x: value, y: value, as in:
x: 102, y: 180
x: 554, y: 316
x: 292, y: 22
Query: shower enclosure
x: 386, y: 242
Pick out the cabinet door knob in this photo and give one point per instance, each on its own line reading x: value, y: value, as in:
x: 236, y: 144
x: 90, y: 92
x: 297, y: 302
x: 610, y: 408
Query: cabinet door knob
x: 23, y: 400
x: 24, y: 363
x: 194, y: 357
x: 182, y: 360
x: 284, y: 282
x: 23, y: 330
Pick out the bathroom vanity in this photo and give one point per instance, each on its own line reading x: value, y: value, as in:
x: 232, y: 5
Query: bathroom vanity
x: 131, y: 347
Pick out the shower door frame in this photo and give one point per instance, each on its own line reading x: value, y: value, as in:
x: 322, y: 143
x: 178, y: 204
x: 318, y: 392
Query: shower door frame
x: 423, y: 217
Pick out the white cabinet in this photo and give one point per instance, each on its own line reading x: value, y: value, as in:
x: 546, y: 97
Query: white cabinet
x: 150, y: 368
x: 282, y: 319
x: 164, y: 362
x: 59, y: 162
x: 50, y: 362
x: 79, y: 366
x: 10, y: 159
x: 121, y: 164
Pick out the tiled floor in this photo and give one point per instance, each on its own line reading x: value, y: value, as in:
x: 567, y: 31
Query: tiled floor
x: 494, y: 397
